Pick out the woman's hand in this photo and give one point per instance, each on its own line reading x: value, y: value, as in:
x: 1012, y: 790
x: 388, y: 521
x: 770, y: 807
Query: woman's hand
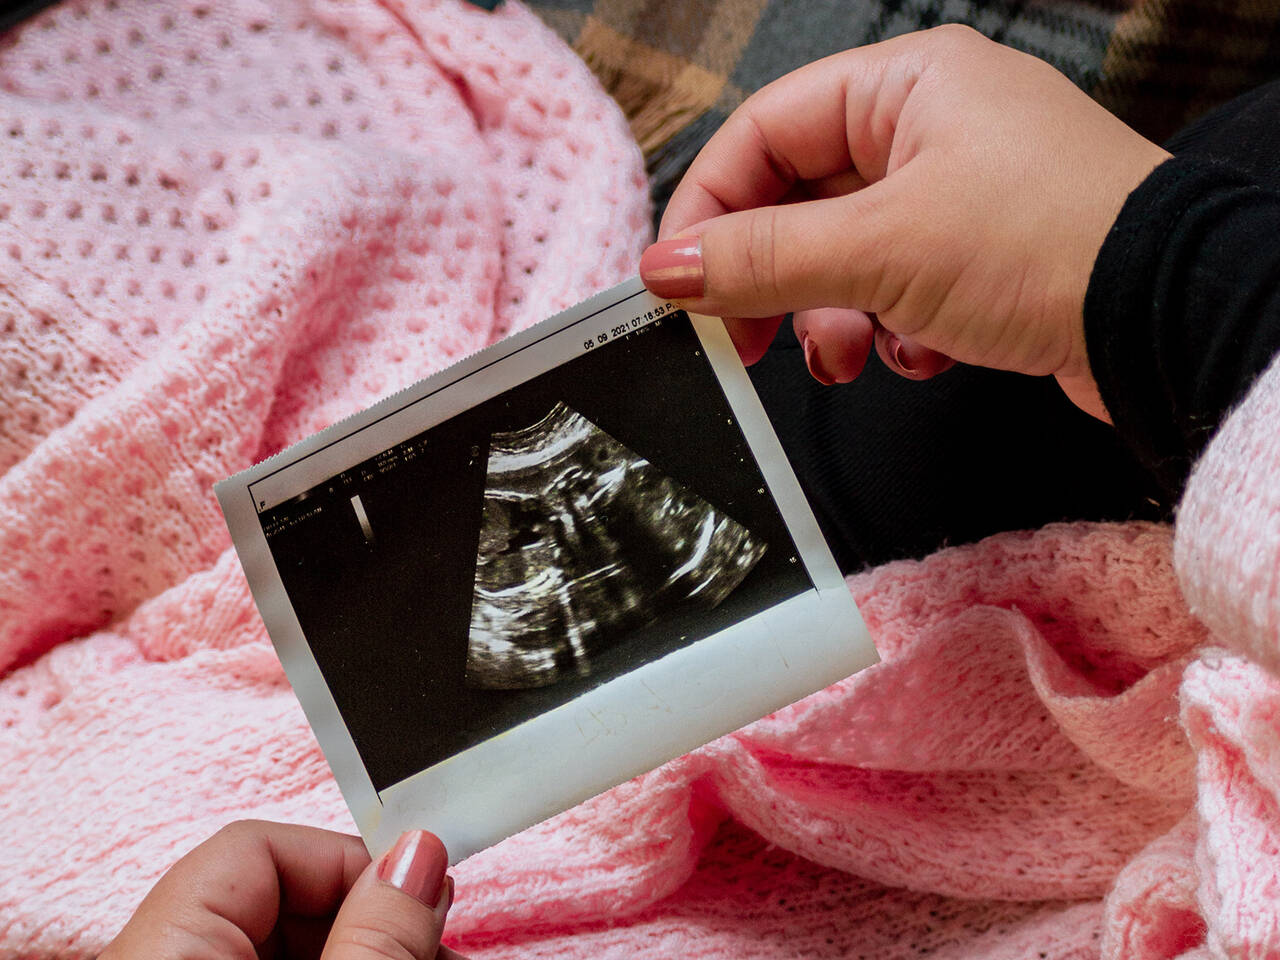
x: 948, y: 190
x: 257, y: 890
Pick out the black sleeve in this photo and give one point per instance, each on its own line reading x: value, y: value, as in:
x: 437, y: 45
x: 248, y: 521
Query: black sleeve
x: 1183, y: 307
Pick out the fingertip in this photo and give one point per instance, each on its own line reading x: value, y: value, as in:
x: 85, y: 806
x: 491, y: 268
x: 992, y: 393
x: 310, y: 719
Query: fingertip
x: 672, y: 269
x: 417, y: 865
x: 398, y: 906
x: 909, y: 359
x: 446, y: 899
x: 752, y: 337
x: 840, y: 367
x: 836, y: 342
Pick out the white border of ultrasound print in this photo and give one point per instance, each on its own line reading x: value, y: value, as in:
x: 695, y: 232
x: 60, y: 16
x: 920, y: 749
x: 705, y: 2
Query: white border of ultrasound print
x: 615, y: 731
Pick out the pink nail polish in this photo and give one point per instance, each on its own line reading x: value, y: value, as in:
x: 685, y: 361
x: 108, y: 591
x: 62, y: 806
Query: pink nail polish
x: 673, y: 268
x: 814, y: 362
x: 416, y: 865
x: 448, y: 883
x: 894, y: 354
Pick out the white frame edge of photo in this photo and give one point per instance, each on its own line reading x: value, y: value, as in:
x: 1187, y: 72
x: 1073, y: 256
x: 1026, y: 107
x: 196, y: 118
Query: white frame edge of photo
x: 615, y: 731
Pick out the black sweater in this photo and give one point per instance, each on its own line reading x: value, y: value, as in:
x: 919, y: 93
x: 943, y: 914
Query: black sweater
x: 1183, y: 307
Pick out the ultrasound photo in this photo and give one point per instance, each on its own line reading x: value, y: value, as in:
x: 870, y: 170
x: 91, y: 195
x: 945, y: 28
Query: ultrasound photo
x: 552, y: 537
x: 583, y: 540
x: 531, y: 577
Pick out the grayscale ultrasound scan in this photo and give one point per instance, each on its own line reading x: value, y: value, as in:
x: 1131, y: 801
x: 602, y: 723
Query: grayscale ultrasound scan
x: 566, y: 560
x: 581, y: 541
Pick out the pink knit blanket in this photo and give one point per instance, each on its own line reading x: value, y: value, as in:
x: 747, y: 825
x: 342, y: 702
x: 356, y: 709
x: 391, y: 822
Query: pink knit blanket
x: 226, y: 225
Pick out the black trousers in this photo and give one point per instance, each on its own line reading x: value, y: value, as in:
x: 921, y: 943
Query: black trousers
x: 895, y: 468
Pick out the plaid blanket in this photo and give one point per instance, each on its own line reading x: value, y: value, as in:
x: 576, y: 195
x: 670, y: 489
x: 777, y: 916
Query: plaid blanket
x: 679, y: 68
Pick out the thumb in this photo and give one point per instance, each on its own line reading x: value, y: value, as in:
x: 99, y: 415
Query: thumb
x: 396, y: 909
x: 775, y: 260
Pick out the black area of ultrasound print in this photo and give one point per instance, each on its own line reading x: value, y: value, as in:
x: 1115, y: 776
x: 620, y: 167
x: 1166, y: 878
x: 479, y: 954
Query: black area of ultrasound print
x: 388, y: 621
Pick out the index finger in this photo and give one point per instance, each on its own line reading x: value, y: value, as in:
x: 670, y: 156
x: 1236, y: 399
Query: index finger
x: 247, y: 875
x: 831, y: 116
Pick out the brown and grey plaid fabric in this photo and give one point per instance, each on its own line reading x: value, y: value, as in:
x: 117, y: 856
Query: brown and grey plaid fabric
x: 678, y: 68
x: 1169, y: 61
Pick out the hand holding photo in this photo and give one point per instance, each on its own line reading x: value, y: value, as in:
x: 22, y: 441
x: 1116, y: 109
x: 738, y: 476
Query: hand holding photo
x: 590, y: 519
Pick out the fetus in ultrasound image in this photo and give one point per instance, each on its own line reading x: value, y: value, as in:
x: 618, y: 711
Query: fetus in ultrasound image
x: 581, y: 541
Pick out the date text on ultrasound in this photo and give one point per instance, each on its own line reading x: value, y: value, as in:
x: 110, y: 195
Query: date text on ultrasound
x: 622, y: 329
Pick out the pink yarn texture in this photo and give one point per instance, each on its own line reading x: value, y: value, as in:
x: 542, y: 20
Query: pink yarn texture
x: 226, y: 225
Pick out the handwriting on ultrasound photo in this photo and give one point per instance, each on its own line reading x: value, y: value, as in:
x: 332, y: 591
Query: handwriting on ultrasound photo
x: 586, y: 531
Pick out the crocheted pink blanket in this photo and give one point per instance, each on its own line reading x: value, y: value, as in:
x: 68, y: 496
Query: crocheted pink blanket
x: 225, y: 225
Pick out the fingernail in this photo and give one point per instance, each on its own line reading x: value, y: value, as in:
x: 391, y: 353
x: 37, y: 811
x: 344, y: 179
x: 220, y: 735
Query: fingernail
x: 894, y: 354
x: 416, y: 865
x: 446, y: 900
x: 673, y: 268
x: 897, y: 352
x: 813, y: 361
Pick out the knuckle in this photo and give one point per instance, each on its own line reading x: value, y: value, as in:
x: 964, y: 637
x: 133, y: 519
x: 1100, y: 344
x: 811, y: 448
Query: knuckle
x: 761, y: 267
x: 239, y: 839
x: 239, y: 831
x: 371, y: 942
x: 956, y: 42
x: 956, y: 35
